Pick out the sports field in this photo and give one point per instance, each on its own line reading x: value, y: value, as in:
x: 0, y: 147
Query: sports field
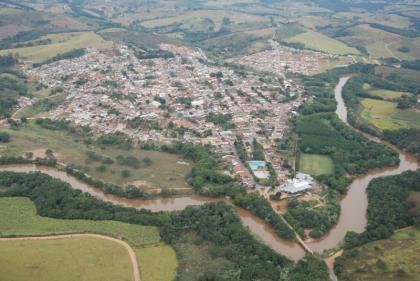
x: 315, y: 164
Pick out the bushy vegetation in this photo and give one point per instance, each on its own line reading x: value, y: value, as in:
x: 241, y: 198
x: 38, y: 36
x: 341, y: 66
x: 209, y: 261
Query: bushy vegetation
x: 307, y: 214
x: 76, y: 53
x: 223, y: 120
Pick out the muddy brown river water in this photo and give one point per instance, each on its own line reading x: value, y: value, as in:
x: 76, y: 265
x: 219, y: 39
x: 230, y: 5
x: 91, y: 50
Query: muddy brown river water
x: 353, y: 205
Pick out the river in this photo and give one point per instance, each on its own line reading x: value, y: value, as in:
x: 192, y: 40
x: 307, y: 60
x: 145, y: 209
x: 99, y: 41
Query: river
x: 353, y: 205
x: 257, y: 226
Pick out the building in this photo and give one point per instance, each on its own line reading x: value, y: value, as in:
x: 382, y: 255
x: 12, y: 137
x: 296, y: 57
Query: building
x: 301, y: 183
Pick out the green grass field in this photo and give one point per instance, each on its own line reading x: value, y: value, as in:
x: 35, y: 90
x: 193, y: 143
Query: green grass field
x: 386, y: 116
x: 315, y: 164
x: 386, y: 260
x: 386, y: 94
x: 320, y: 42
x: 18, y: 217
x: 61, y: 43
x: 79, y: 258
x: 158, y: 261
x: 164, y: 171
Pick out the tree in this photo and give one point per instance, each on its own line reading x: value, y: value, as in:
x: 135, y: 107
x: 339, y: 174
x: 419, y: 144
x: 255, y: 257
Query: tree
x: 4, y: 137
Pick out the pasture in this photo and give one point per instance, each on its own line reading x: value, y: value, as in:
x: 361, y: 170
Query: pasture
x: 386, y: 116
x: 320, y: 42
x: 315, y: 164
x: 386, y: 94
x: 60, y: 43
x: 165, y: 170
x: 78, y: 258
x: 18, y: 218
x: 157, y: 261
x: 382, y: 44
x: 386, y: 260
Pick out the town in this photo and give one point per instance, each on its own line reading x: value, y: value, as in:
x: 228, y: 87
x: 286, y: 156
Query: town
x: 179, y: 97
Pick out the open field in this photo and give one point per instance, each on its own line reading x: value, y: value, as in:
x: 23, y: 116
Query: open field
x: 386, y: 94
x: 386, y: 116
x: 60, y: 43
x: 157, y: 261
x: 164, y: 171
x: 18, y: 217
x: 315, y: 164
x: 382, y: 44
x: 78, y: 258
x: 386, y: 260
x: 197, y: 19
x: 320, y: 42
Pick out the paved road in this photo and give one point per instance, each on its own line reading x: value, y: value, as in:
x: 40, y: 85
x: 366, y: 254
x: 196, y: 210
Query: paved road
x: 133, y: 258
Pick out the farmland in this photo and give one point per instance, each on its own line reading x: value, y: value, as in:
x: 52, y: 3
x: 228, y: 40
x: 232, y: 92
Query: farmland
x: 385, y: 94
x: 315, y: 164
x: 385, y: 260
x: 320, y: 42
x: 85, y: 258
x: 157, y: 260
x: 60, y: 43
x: 386, y: 116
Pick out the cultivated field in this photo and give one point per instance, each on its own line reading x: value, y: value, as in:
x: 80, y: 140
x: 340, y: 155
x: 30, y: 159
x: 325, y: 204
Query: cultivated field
x: 386, y: 260
x: 157, y: 261
x: 315, y: 164
x: 60, y: 43
x: 320, y: 42
x: 18, y: 218
x: 382, y: 44
x: 196, y: 20
x: 386, y: 116
x: 386, y: 94
x: 78, y: 258
x: 165, y: 171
